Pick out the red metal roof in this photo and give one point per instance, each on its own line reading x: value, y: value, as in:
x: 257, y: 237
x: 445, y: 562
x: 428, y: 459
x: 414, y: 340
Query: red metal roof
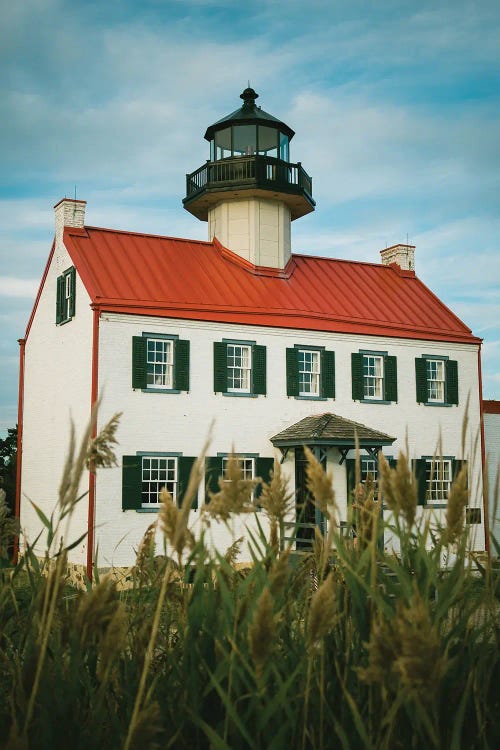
x: 152, y: 275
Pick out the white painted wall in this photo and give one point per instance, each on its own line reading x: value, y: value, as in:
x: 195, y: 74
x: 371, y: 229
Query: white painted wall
x: 256, y: 229
x: 56, y: 392
x: 492, y: 444
x: 181, y: 422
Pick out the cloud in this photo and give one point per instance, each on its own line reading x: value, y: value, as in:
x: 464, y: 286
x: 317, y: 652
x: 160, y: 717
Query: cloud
x: 12, y: 287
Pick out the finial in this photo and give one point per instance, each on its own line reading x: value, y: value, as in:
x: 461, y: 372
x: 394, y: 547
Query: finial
x: 249, y: 96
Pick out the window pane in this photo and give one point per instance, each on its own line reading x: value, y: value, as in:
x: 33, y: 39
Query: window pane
x: 159, y: 363
x: 223, y: 143
x: 309, y: 372
x: 244, y: 140
x: 373, y: 369
x: 268, y: 141
x: 284, y: 147
x: 239, y: 367
x: 158, y: 473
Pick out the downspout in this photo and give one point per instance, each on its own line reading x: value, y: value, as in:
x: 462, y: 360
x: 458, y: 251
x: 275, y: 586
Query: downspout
x: 19, y: 457
x: 486, y: 503
x: 93, y: 416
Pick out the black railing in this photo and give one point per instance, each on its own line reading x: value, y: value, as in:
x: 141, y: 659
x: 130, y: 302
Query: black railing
x: 251, y: 170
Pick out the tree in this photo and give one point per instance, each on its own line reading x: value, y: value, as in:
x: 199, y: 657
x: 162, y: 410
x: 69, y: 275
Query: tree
x: 8, y: 456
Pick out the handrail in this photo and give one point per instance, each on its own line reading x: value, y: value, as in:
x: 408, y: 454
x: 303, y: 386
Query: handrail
x: 264, y: 170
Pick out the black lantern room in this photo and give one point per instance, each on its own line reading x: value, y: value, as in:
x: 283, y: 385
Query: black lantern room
x: 249, y: 157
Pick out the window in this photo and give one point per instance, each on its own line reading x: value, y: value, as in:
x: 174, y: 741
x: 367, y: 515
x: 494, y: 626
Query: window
x: 434, y: 477
x: 310, y: 372
x: 160, y: 363
x: 145, y: 474
x: 158, y: 473
x: 65, y: 296
x: 374, y: 377
x: 369, y: 468
x: 239, y: 368
x: 252, y: 467
x: 436, y: 380
x: 437, y: 480
x: 246, y: 465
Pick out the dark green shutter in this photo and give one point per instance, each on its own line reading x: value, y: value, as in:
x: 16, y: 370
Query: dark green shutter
x: 72, y: 297
x: 259, y: 370
x: 292, y: 372
x: 220, y: 367
x: 184, y: 467
x: 131, y: 482
x: 456, y: 466
x: 59, y: 299
x: 181, y: 365
x: 328, y: 374
x: 350, y: 468
x: 419, y: 467
x: 421, y: 380
x: 358, y: 386
x: 451, y: 381
x: 139, y: 372
x: 213, y: 470
x: 391, y: 378
x: 263, y: 469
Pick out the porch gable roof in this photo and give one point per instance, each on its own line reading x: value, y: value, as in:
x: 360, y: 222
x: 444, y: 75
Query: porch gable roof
x: 332, y: 430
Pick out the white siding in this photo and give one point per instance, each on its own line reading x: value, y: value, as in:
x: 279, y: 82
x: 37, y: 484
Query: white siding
x: 56, y: 391
x: 180, y: 422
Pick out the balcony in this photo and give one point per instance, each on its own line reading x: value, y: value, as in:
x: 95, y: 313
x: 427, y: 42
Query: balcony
x: 249, y: 176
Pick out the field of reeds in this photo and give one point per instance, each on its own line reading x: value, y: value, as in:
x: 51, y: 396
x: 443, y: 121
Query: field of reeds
x: 348, y: 646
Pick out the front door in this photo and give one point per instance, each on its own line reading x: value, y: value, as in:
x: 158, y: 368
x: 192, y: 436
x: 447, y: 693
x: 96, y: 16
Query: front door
x: 308, y: 516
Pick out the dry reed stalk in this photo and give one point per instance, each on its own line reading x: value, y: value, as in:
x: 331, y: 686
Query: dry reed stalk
x: 458, y: 499
x: 234, y: 496
x: 322, y: 612
x: 145, y: 553
x: 100, y: 454
x: 398, y: 488
x: 262, y: 632
x: 319, y: 484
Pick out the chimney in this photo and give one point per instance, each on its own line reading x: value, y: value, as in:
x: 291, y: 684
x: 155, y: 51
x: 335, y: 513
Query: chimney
x: 69, y: 213
x: 402, y: 255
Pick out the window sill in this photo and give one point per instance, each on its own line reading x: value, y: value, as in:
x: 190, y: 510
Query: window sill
x: 375, y: 401
x: 435, y: 403
x: 435, y: 506
x: 311, y: 398
x: 160, y: 390
x: 241, y: 395
x: 63, y: 322
x: 147, y: 510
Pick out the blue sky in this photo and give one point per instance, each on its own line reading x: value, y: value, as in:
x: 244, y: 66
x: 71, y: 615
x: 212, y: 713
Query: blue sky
x: 395, y: 107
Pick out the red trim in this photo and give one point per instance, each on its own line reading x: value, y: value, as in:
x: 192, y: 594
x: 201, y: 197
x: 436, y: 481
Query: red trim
x: 40, y: 289
x: 483, y: 456
x: 19, y: 458
x: 491, y: 407
x: 93, y: 412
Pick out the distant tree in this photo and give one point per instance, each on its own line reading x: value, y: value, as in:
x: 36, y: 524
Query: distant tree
x: 8, y: 457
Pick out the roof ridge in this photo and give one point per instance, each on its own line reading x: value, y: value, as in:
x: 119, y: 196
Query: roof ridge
x: 145, y: 234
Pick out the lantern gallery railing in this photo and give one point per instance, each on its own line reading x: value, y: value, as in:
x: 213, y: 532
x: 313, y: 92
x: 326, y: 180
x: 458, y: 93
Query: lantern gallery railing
x: 250, y: 170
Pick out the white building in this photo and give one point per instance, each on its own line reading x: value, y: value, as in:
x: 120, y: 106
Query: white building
x: 280, y: 349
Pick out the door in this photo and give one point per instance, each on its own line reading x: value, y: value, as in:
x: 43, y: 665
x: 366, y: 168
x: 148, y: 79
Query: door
x: 308, y: 516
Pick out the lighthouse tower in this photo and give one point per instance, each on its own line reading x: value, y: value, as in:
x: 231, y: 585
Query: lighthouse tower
x: 249, y: 191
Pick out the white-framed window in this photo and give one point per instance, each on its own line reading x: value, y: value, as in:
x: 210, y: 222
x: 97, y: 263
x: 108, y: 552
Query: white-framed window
x: 436, y: 378
x: 373, y: 376
x: 159, y: 363
x: 368, y: 468
x: 247, y: 466
x: 438, y: 476
x: 309, y: 372
x: 239, y: 368
x: 158, y: 472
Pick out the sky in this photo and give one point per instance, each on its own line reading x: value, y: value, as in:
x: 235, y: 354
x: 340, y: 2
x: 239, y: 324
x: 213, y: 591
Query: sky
x: 395, y: 105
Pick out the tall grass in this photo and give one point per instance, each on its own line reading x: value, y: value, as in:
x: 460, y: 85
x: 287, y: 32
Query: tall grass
x: 348, y: 646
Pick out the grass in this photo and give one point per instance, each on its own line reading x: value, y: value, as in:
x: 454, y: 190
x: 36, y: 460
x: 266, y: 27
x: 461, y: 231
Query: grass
x: 349, y: 647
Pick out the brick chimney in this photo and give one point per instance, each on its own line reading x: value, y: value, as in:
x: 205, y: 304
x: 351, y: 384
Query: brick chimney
x: 402, y: 255
x: 69, y: 213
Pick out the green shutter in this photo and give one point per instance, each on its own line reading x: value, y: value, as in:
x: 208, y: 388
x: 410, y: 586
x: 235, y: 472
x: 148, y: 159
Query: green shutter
x: 451, y: 381
x: 328, y: 374
x: 259, y: 370
x: 72, y: 298
x: 421, y: 380
x: 350, y: 468
x: 456, y: 466
x: 181, y: 365
x: 213, y: 470
x: 419, y: 468
x: 139, y: 372
x: 131, y: 482
x: 263, y: 469
x: 391, y: 378
x: 220, y: 367
x: 292, y: 372
x: 59, y: 299
x: 184, y: 468
x: 358, y: 387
